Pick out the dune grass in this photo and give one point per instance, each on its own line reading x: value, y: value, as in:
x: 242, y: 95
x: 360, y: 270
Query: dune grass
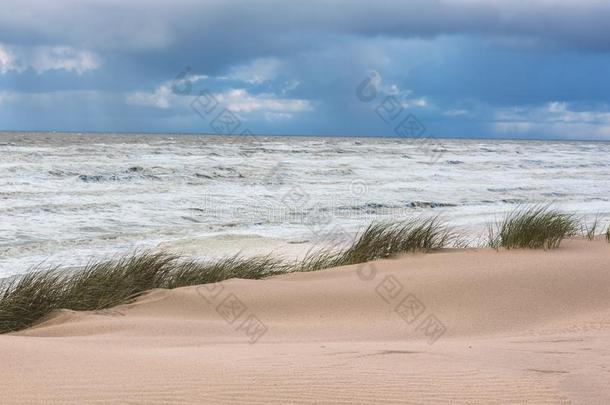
x: 532, y: 227
x: 608, y: 234
x: 26, y: 300
x: 99, y: 285
x: 188, y: 273
x: 382, y: 240
x: 589, y: 230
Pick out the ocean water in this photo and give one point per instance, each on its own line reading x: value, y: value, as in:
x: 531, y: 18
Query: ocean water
x: 66, y: 199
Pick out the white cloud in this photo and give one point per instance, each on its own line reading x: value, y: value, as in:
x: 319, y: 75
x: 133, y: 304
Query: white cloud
x: 164, y: 96
x: 44, y: 58
x: 238, y: 101
x: 405, y: 96
x: 66, y: 58
x: 555, y: 118
x: 161, y: 98
x: 415, y: 102
x: 553, y: 112
x: 6, y: 59
x: 290, y: 85
x: 560, y: 112
x: 393, y: 90
x: 256, y: 72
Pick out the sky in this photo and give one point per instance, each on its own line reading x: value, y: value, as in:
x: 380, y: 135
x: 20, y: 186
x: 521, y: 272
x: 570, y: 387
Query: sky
x: 442, y: 68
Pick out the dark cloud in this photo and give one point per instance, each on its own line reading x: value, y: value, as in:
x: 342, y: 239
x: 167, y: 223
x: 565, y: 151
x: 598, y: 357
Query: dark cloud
x: 453, y: 55
x: 154, y: 25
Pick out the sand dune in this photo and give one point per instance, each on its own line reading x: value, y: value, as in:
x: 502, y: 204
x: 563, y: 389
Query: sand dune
x: 467, y: 326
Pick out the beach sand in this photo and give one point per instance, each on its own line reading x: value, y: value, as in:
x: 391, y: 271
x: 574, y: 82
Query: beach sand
x: 458, y: 326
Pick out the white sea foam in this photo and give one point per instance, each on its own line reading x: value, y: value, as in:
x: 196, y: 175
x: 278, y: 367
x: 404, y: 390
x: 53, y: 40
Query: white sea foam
x: 65, y: 199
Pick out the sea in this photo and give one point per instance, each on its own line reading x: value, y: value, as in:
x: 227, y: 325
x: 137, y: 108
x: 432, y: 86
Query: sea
x: 68, y: 199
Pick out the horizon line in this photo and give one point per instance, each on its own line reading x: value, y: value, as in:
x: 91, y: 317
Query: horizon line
x: 452, y: 138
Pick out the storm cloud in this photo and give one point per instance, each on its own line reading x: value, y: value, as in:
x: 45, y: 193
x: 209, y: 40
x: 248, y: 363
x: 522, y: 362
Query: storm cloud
x: 293, y: 67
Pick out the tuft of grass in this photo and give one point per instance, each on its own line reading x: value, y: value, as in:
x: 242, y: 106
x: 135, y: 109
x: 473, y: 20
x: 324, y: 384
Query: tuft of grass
x: 194, y: 273
x: 493, y: 237
x: 26, y: 299
x: 588, y: 230
x: 532, y: 227
x: 382, y: 240
x: 315, y: 260
x: 608, y: 234
x: 101, y: 285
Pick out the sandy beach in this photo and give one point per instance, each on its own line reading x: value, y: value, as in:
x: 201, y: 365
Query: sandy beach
x: 458, y: 326
x: 323, y: 202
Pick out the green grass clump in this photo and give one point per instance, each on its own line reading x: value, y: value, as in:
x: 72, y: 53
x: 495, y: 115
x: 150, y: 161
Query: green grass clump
x: 382, y: 240
x: 532, y: 227
x: 608, y: 234
x: 104, y: 284
x: 99, y: 285
x: 320, y: 259
x: 588, y: 230
x: 26, y: 299
x: 194, y: 273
